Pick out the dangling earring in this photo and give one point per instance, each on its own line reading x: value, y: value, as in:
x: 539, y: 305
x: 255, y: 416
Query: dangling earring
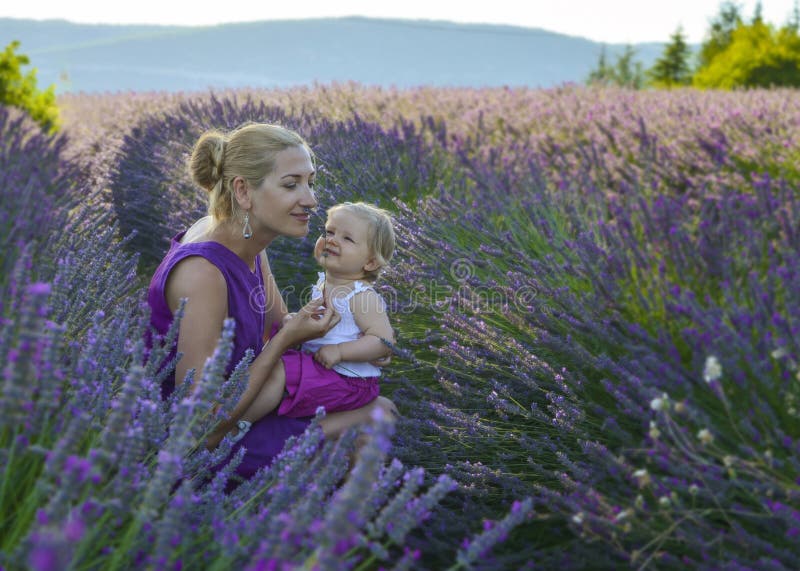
x: 247, y: 232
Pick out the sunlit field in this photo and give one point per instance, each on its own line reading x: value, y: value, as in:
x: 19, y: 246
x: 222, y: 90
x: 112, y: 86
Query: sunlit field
x: 597, y: 304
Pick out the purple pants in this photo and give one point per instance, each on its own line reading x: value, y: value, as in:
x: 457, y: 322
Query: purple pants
x: 310, y: 385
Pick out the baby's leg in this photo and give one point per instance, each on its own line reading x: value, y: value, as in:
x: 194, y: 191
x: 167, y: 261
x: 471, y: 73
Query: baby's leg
x: 335, y: 423
x: 270, y: 396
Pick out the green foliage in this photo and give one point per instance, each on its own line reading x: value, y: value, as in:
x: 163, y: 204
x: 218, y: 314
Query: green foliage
x: 672, y: 68
x: 624, y: 73
x: 719, y: 36
x: 602, y: 72
x: 758, y: 56
x: 19, y: 90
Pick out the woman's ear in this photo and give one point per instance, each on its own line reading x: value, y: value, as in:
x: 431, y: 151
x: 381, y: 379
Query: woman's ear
x: 241, y: 192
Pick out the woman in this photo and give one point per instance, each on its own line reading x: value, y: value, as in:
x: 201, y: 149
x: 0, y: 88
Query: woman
x: 260, y: 180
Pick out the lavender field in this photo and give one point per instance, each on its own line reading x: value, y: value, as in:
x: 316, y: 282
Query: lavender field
x: 597, y: 299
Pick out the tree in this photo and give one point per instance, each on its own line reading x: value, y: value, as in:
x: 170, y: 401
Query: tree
x: 624, y: 73
x: 601, y: 74
x: 672, y: 68
x: 629, y: 73
x: 794, y: 19
x: 19, y: 90
x: 758, y: 56
x: 719, y: 36
x: 758, y: 13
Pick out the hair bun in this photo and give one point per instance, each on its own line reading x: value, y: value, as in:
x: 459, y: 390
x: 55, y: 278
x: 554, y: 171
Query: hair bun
x: 207, y: 162
x: 218, y: 160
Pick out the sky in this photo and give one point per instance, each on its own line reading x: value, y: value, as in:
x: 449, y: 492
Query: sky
x: 610, y: 21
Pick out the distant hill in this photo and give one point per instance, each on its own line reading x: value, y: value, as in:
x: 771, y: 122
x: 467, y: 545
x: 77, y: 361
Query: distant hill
x: 402, y: 53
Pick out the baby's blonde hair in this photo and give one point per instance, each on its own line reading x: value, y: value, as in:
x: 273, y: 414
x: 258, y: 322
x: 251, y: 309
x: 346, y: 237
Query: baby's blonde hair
x: 380, y: 232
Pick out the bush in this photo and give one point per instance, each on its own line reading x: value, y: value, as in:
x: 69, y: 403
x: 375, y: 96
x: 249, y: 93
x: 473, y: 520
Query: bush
x: 758, y: 56
x: 19, y: 90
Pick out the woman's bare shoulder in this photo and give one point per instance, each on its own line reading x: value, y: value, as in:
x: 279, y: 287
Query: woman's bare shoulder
x: 195, y: 278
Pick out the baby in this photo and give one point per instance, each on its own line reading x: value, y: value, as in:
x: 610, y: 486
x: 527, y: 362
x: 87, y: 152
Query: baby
x: 335, y: 371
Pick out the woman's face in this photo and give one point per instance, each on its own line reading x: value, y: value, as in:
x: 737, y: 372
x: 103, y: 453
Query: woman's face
x: 279, y: 206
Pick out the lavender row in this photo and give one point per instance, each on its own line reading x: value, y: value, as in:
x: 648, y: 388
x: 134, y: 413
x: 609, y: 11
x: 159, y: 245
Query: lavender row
x: 703, y: 141
x: 632, y: 364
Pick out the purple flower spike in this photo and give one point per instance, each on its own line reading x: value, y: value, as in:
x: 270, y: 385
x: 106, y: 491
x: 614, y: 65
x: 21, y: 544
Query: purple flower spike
x: 40, y: 289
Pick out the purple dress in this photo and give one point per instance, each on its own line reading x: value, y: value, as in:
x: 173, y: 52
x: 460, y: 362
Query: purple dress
x: 246, y: 304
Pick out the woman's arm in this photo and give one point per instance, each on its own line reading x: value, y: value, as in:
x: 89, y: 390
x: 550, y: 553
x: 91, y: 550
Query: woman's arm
x: 311, y: 321
x: 276, y: 309
x: 203, y: 285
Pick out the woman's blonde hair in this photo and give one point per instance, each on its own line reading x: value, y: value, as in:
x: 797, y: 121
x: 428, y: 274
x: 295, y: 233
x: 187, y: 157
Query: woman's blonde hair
x: 248, y: 151
x: 380, y: 232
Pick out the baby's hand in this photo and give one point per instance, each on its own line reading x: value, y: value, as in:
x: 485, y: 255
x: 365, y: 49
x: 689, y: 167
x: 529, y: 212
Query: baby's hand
x: 328, y: 356
x: 382, y: 361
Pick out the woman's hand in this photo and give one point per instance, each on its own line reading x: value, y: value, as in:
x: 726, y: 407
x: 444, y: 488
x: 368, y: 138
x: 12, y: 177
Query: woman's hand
x: 312, y: 321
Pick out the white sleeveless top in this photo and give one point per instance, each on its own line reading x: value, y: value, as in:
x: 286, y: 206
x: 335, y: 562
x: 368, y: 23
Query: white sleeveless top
x: 345, y: 330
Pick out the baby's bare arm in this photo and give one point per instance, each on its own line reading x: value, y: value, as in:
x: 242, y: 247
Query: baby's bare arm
x: 369, y: 311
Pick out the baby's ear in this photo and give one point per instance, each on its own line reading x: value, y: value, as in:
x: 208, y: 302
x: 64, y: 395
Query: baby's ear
x: 372, y: 265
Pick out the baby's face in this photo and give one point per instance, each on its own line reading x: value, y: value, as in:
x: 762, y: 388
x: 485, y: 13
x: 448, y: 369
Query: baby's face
x: 344, y: 250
